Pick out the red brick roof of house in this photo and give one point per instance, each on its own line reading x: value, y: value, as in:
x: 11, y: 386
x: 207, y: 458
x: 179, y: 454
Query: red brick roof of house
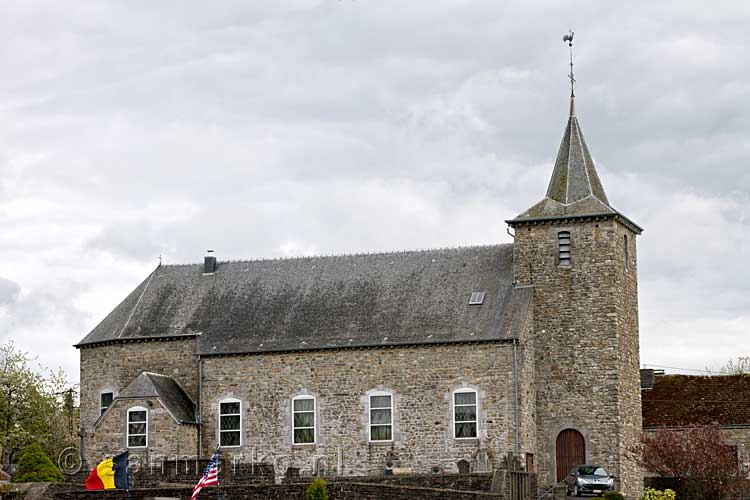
x: 679, y: 400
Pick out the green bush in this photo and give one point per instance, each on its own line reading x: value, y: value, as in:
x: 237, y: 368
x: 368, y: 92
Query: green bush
x: 318, y: 490
x: 652, y: 494
x: 36, y: 467
x: 613, y: 495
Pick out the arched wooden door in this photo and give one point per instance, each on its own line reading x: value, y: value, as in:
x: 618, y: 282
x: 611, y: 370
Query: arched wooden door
x: 570, y: 450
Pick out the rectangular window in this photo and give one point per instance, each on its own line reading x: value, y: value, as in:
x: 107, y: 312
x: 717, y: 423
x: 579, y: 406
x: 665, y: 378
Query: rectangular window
x: 465, y: 414
x: 105, y: 399
x: 137, y: 428
x: 230, y: 420
x: 303, y: 420
x: 627, y: 250
x: 381, y: 417
x: 563, y: 242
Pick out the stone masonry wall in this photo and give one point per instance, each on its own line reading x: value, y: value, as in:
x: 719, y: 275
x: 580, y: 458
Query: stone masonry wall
x: 740, y: 436
x: 336, y: 491
x: 527, y: 396
x: 586, y: 343
x: 420, y: 378
x: 631, y: 425
x: 166, y: 438
x: 113, y: 367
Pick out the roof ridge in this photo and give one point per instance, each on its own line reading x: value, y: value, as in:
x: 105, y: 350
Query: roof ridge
x: 350, y: 255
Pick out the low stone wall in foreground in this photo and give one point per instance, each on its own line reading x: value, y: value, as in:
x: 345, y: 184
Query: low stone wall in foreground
x: 294, y: 491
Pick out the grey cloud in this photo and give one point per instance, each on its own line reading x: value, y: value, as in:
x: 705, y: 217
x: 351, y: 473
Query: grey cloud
x: 9, y: 291
x: 262, y: 129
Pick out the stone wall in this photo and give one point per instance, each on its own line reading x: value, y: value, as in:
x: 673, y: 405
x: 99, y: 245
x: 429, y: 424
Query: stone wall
x: 166, y: 438
x: 421, y: 379
x: 586, y: 342
x: 740, y: 436
x: 630, y: 412
x: 113, y: 367
x: 527, y: 397
x: 463, y: 482
x: 336, y: 491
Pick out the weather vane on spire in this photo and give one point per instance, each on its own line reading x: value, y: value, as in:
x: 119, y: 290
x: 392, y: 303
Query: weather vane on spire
x: 569, y: 38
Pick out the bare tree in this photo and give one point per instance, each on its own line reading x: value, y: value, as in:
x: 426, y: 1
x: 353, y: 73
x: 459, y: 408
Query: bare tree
x: 742, y: 365
x: 699, y: 457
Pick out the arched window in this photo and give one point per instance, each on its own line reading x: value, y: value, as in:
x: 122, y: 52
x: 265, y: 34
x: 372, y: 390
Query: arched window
x: 380, y: 423
x: 303, y: 420
x: 137, y: 427
x: 563, y: 247
x: 465, y: 413
x: 230, y: 422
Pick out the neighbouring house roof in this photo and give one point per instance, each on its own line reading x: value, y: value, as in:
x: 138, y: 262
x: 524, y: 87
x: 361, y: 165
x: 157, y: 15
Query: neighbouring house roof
x: 574, y: 189
x: 679, y: 400
x: 383, y: 299
x: 167, y: 391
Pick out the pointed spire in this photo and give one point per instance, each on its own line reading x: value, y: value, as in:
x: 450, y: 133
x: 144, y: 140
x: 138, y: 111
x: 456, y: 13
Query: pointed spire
x: 574, y: 177
x: 574, y: 189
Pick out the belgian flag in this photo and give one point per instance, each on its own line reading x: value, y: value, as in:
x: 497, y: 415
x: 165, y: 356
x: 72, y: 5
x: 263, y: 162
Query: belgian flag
x: 109, y: 474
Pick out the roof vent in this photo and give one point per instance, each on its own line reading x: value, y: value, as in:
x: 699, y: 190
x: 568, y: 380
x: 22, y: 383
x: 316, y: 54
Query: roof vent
x: 209, y: 263
x: 476, y: 299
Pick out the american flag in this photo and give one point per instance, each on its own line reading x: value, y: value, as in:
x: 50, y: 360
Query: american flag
x: 210, y: 476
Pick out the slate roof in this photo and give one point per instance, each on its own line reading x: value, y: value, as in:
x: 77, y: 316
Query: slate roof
x: 167, y: 390
x: 679, y: 400
x: 575, y: 189
x: 366, y: 300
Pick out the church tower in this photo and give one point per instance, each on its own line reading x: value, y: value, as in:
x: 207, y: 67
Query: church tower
x: 579, y: 254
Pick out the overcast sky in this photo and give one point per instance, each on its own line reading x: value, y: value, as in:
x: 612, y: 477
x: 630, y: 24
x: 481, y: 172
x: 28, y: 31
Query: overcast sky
x: 130, y: 130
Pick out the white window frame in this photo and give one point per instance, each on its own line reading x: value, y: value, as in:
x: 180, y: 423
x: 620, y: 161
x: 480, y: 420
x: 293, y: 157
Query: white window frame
x: 230, y: 400
x: 370, y: 425
x: 315, y: 419
x: 102, y: 409
x: 465, y: 390
x: 127, y: 426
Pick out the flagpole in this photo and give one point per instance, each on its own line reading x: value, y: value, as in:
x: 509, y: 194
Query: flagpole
x: 218, y: 477
x: 127, y: 477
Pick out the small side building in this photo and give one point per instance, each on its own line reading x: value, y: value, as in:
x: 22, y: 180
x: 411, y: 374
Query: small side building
x: 674, y: 401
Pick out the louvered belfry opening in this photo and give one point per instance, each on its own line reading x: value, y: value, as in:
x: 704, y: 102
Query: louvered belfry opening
x: 563, y: 244
x: 570, y: 450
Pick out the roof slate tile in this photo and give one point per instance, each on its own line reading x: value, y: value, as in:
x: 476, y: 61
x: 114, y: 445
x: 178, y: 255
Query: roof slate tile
x: 327, y: 302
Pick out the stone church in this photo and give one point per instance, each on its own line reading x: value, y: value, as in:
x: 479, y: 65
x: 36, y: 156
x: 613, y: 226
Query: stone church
x: 422, y: 360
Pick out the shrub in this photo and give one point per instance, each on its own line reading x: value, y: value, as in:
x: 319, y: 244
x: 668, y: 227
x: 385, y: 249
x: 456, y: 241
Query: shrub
x: 36, y: 467
x: 652, y: 494
x: 613, y: 495
x: 318, y: 490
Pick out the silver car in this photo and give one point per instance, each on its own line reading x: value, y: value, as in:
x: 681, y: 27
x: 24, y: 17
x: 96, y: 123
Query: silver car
x: 589, y: 479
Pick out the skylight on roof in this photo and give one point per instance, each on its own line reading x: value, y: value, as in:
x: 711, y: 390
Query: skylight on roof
x: 476, y: 299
